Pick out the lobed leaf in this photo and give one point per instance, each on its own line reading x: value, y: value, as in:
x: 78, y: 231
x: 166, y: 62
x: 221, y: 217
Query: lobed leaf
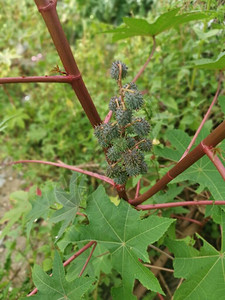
x: 218, y: 64
x: 125, y: 235
x: 140, y: 27
x: 204, y: 270
x: 57, y: 287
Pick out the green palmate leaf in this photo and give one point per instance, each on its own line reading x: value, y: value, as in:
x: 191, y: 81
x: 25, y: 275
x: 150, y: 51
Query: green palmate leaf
x: 218, y: 64
x: 125, y: 235
x: 21, y: 205
x: 70, y: 202
x: 203, y: 171
x: 135, y: 27
x: 57, y: 287
x: 40, y: 206
x: 203, y: 270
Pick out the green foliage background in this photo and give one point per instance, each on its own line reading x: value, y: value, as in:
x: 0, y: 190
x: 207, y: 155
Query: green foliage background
x: 46, y: 121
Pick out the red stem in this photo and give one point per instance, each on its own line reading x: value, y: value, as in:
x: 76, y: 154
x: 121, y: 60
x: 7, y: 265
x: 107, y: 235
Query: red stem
x: 176, y: 204
x: 88, y: 259
x: 65, y: 166
x: 204, y: 119
x: 188, y: 219
x: 138, y: 188
x: 160, y: 296
x: 23, y: 79
x: 48, y: 10
x: 215, y: 137
x: 215, y: 160
x: 147, y: 62
x: 68, y: 261
x: 108, y: 117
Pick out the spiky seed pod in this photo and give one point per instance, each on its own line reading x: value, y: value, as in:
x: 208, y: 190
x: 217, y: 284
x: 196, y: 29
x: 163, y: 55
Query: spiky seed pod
x: 133, y: 160
x: 98, y: 132
x: 133, y: 99
x: 130, y: 86
x: 141, y: 127
x: 110, y: 131
x: 143, y: 168
x: 121, y: 178
x: 114, y: 171
x: 120, y: 144
x: 115, y: 70
x: 145, y: 145
x: 105, y: 133
x: 114, y: 102
x: 113, y: 154
x: 123, y: 117
x: 130, y: 142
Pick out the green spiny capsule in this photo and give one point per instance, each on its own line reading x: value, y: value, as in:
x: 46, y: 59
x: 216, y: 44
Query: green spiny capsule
x: 121, y: 178
x: 100, y: 136
x: 114, y: 171
x: 130, y: 86
x: 114, y: 103
x: 133, y: 161
x: 120, y: 144
x: 143, y: 167
x: 133, y: 99
x: 145, y: 145
x: 106, y: 132
x: 113, y: 154
x: 123, y: 117
x: 141, y: 127
x: 110, y: 131
x: 115, y: 70
x: 130, y: 142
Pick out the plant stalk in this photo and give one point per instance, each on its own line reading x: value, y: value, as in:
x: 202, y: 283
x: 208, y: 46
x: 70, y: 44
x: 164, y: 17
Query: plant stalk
x: 215, y: 137
x: 47, y: 8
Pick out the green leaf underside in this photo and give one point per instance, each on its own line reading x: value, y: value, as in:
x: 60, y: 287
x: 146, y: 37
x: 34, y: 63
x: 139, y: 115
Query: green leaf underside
x: 203, y: 270
x: 120, y: 230
x: 218, y: 64
x: 203, y: 171
x: 140, y: 27
x: 57, y: 287
x: 70, y: 202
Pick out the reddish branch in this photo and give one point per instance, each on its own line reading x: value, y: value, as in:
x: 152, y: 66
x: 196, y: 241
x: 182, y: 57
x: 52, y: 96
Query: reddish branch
x: 176, y: 204
x: 147, y: 61
x: 215, y: 137
x: 69, y: 260
x: 48, y: 11
x: 204, y: 119
x: 214, y: 159
x: 65, y: 166
x: 88, y: 259
x: 23, y: 79
x: 188, y: 219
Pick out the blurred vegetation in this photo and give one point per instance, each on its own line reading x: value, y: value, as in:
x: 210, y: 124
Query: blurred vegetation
x: 48, y: 122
